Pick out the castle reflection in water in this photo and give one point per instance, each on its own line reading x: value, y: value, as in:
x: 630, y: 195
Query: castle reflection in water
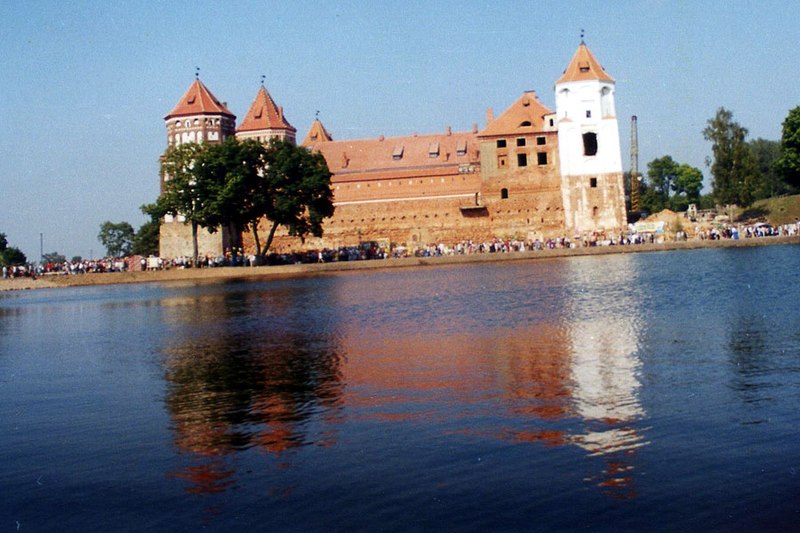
x: 548, y: 356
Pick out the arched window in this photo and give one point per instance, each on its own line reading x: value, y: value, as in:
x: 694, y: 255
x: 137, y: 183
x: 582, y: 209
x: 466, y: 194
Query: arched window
x: 525, y: 124
x: 504, y: 194
x: 589, y: 143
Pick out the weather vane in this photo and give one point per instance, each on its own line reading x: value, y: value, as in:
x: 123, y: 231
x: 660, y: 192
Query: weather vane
x: 262, y: 79
x: 316, y: 115
x: 582, y: 34
x: 197, y: 73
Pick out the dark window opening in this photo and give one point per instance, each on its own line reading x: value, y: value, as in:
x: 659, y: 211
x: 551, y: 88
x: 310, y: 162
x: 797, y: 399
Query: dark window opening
x: 521, y: 141
x: 525, y: 124
x: 588, y: 113
x: 593, y: 182
x: 541, y: 158
x: 501, y: 161
x: 501, y: 143
x: 522, y: 160
x: 590, y: 143
x: 504, y: 194
x: 541, y: 140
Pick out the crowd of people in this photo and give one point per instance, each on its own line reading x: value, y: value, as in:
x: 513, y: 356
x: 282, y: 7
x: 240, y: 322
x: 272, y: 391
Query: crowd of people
x: 373, y: 250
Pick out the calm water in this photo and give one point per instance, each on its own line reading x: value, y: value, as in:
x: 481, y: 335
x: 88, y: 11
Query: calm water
x: 639, y: 392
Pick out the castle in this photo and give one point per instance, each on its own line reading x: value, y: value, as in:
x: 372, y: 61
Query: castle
x: 530, y: 173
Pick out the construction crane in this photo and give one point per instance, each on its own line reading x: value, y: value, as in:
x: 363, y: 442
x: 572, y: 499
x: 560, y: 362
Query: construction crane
x: 635, y: 178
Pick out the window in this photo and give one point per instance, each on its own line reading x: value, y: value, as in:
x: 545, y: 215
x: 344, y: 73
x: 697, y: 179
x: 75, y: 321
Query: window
x: 461, y: 147
x: 541, y: 158
x: 501, y: 143
x: 522, y: 160
x: 504, y: 194
x: 501, y: 161
x: 525, y: 124
x: 551, y: 122
x: 593, y: 183
x: 397, y: 153
x: 521, y: 141
x: 589, y: 143
x: 433, y: 150
x: 588, y: 113
x: 541, y: 140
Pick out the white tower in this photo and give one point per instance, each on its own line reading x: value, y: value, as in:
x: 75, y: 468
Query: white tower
x: 588, y: 143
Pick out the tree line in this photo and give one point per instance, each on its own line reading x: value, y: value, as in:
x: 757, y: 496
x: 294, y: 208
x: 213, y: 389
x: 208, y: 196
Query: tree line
x: 743, y: 171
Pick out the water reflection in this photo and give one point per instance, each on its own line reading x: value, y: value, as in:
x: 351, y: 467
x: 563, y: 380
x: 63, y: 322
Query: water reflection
x: 243, y: 373
x: 604, y: 321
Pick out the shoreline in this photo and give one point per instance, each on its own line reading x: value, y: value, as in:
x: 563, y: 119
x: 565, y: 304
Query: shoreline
x: 289, y: 271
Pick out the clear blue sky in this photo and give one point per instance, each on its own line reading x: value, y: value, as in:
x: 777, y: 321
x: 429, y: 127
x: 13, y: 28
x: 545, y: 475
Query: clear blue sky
x: 84, y: 86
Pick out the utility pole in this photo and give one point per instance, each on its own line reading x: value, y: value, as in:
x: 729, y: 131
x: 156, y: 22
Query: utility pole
x: 635, y: 178
x: 41, y: 248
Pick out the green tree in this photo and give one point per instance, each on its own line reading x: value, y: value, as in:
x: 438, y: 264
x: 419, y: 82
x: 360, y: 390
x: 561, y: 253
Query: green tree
x: 295, y: 191
x: 687, y: 185
x: 10, y: 255
x: 671, y: 185
x: 766, y: 154
x: 788, y: 164
x: 733, y: 166
x: 54, y: 257
x: 230, y: 172
x: 116, y: 237
x: 182, y: 193
x: 145, y: 241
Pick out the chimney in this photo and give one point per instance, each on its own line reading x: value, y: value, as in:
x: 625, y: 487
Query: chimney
x: 475, y: 127
x: 280, y: 112
x: 449, y: 131
x: 489, y: 116
x: 381, y: 138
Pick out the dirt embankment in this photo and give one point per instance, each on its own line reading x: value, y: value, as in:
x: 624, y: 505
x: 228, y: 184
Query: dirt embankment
x: 196, y: 274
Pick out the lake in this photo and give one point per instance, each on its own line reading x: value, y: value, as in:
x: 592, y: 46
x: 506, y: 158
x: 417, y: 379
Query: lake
x: 651, y: 391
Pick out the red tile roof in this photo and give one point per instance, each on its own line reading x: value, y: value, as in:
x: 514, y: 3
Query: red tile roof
x: 316, y: 133
x: 264, y: 115
x: 584, y: 66
x: 526, y: 115
x: 198, y: 100
x: 397, y: 156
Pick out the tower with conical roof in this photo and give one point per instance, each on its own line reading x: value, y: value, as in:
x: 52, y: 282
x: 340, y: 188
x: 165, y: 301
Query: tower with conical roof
x: 589, y: 147
x: 265, y: 121
x: 198, y: 117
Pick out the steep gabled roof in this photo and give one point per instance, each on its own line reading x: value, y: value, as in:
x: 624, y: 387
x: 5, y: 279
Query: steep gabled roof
x: 526, y: 115
x: 198, y: 100
x: 264, y: 115
x: 316, y: 134
x: 584, y: 66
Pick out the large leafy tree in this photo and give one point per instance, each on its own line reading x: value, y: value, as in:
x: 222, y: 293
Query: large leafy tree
x: 229, y: 173
x: 788, y: 165
x: 240, y: 183
x: 671, y: 185
x: 733, y: 166
x: 182, y: 193
x: 117, y: 237
x: 294, y: 192
x: 10, y: 255
x: 145, y: 241
x: 766, y: 154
